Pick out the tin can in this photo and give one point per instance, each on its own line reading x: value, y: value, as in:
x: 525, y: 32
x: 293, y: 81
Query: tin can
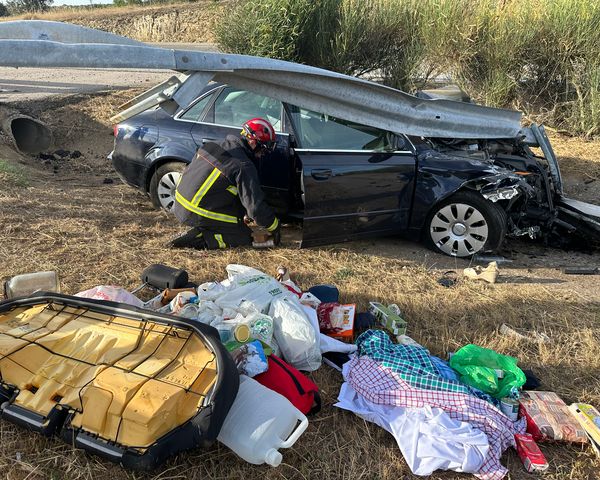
x: 510, y: 408
x: 228, y: 332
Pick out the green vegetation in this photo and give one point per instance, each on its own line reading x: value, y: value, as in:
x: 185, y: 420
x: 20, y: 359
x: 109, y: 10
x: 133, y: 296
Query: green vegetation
x: 13, y: 173
x: 15, y: 7
x: 541, y: 56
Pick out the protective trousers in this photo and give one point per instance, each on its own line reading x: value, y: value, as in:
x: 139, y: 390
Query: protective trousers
x: 205, y: 238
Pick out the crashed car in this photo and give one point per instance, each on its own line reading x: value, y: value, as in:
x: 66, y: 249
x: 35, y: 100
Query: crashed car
x: 355, y: 159
x: 346, y: 181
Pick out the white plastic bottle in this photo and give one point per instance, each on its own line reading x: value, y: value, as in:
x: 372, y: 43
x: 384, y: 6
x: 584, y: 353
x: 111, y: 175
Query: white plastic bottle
x: 28, y: 283
x: 260, y: 422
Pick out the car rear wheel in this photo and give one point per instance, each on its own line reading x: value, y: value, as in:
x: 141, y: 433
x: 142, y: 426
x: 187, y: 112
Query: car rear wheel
x: 163, y: 183
x: 465, y: 224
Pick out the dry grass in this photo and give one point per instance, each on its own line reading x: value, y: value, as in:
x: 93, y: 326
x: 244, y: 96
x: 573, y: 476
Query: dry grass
x: 94, y: 233
x: 166, y: 23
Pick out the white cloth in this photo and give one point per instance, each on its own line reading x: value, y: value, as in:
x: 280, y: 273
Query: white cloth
x: 428, y: 438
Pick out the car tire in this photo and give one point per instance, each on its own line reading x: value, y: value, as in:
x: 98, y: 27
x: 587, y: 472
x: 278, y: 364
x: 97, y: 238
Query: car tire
x: 465, y: 224
x: 163, y: 183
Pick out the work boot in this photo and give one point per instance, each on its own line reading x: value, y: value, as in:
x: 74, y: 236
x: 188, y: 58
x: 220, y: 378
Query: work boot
x: 191, y: 239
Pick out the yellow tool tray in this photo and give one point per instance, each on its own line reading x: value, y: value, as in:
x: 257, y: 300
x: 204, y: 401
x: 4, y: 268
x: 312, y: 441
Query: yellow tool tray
x: 121, y: 377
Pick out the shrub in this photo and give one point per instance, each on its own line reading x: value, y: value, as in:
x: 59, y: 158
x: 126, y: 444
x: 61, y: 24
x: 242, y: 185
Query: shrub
x: 28, y: 6
x: 538, y: 55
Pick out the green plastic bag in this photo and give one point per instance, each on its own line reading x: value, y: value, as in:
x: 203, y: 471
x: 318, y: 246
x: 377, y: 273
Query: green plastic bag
x: 477, y: 367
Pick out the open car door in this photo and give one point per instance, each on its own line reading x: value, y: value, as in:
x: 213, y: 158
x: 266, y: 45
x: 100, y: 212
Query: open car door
x: 226, y: 115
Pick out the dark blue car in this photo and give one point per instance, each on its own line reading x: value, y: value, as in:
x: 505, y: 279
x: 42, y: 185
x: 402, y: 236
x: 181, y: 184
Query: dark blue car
x: 344, y: 180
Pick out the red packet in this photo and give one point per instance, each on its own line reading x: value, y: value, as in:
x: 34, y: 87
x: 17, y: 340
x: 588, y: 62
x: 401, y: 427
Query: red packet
x: 530, y: 454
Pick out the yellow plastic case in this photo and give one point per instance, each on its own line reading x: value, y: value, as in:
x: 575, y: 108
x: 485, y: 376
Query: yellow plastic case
x: 131, y: 385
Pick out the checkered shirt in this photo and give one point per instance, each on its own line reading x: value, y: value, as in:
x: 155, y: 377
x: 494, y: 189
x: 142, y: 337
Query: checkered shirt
x: 381, y: 385
x: 413, y: 363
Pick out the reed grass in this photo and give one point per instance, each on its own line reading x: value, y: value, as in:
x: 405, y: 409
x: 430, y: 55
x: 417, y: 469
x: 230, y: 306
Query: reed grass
x: 537, y: 55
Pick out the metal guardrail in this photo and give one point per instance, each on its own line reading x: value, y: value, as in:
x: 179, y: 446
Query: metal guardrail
x: 31, y: 43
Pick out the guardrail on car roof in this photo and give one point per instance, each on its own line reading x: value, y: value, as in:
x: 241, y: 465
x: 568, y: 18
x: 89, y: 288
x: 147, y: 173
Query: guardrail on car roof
x: 31, y: 43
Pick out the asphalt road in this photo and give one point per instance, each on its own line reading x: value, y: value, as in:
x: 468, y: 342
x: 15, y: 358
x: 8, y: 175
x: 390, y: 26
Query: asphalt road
x: 24, y: 84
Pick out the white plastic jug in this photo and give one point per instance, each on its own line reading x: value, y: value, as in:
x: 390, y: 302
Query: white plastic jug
x: 260, y: 422
x: 28, y: 283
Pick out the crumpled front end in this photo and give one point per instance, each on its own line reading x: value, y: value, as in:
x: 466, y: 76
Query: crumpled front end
x: 523, y: 176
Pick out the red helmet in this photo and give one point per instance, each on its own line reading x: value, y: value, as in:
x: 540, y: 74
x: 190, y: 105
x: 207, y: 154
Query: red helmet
x: 261, y: 131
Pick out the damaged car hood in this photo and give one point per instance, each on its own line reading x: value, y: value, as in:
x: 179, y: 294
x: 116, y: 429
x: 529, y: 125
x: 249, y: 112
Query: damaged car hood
x: 31, y: 43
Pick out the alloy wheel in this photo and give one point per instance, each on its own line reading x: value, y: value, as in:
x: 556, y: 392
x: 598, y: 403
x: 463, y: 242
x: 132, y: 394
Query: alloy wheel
x: 166, y: 189
x: 459, y: 230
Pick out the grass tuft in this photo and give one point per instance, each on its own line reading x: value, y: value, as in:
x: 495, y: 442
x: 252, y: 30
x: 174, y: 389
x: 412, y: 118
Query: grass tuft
x: 13, y: 172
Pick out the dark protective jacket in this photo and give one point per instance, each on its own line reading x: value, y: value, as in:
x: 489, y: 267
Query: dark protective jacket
x: 220, y: 186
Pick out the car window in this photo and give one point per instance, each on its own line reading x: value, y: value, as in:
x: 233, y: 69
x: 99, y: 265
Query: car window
x: 320, y: 131
x: 194, y: 113
x: 234, y: 107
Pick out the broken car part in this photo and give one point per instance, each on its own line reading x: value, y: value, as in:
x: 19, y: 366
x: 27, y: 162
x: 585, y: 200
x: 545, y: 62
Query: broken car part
x: 581, y: 271
x: 130, y: 385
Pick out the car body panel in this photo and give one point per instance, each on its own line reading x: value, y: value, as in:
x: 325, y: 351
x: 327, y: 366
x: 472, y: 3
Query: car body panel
x: 361, y: 193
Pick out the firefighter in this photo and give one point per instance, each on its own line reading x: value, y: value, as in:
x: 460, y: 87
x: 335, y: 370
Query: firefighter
x: 221, y: 188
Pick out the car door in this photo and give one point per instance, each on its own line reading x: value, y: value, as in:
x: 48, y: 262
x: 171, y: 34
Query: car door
x: 358, y: 181
x: 226, y: 114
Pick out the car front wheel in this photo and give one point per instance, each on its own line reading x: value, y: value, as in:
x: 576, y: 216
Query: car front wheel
x: 465, y: 224
x: 163, y: 184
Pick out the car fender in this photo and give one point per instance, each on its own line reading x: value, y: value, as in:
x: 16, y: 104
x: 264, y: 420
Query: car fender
x: 170, y: 152
x: 436, y: 182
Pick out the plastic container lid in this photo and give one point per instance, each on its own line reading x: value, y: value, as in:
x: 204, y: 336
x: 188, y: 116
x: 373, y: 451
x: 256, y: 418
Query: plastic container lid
x: 273, y: 457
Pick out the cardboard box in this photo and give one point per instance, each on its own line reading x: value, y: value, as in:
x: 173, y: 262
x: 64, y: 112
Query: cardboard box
x: 589, y: 419
x: 388, y: 319
x: 530, y: 454
x: 548, y: 418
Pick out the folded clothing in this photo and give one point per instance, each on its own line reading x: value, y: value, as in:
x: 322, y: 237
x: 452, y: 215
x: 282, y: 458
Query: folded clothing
x: 427, y: 437
x: 383, y: 386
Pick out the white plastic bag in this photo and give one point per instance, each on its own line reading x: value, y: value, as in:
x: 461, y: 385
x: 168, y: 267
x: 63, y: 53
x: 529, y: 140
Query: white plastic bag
x: 111, y: 293
x: 250, y: 294
x: 296, y: 337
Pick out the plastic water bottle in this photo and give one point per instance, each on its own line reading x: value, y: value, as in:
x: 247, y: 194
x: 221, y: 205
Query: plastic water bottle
x: 28, y: 283
x: 260, y: 422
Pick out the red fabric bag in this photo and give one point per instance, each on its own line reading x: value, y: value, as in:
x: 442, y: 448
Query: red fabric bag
x: 293, y: 385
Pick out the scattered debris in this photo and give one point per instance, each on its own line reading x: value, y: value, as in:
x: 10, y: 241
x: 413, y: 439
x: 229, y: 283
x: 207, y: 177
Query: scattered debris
x: 108, y: 181
x: 62, y: 153
x: 258, y: 318
x: 448, y: 279
x: 524, y: 334
x: 581, y: 271
x: 490, y: 258
x: 488, y: 274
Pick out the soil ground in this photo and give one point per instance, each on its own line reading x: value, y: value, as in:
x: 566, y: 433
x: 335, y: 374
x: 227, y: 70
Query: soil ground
x: 74, y: 216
